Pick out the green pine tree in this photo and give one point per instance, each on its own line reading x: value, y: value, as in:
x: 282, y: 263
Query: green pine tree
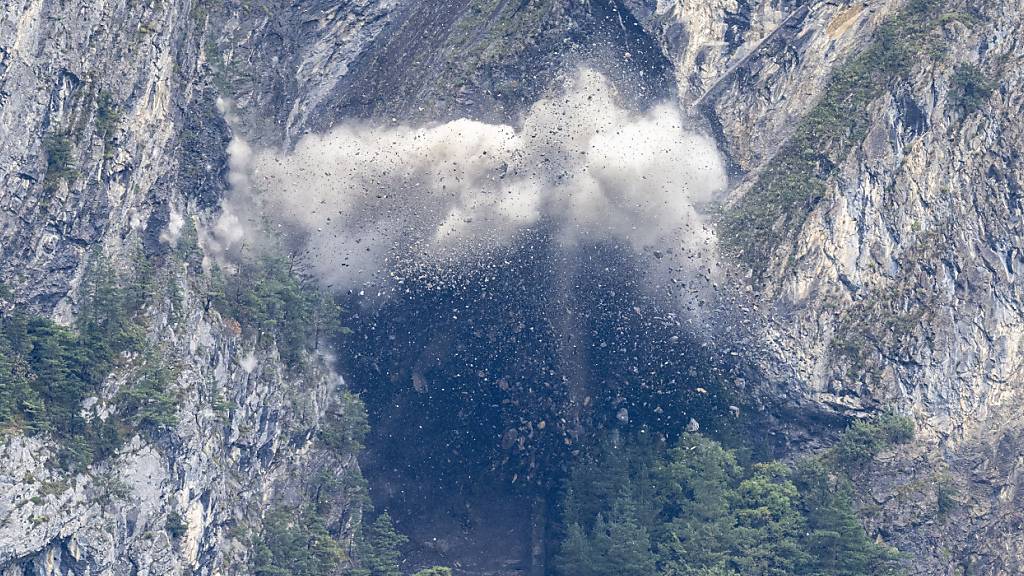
x: 575, y: 556
x: 296, y: 545
x: 624, y: 545
x: 769, y: 523
x: 693, y: 510
x: 697, y: 487
x: 836, y: 542
x: 378, y: 549
x: 18, y: 401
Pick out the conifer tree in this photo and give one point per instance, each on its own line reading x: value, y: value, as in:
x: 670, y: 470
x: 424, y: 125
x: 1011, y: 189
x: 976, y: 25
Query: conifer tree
x: 693, y: 510
x: 17, y: 398
x: 296, y: 546
x: 836, y: 542
x: 575, y: 554
x: 769, y: 523
x: 378, y: 549
x: 697, y: 489
x: 627, y: 551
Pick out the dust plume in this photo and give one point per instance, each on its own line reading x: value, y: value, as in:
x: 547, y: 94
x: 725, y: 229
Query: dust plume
x: 366, y: 201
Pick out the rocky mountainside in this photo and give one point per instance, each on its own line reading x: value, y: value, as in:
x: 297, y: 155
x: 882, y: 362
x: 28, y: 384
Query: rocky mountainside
x: 888, y: 272
x: 873, y: 228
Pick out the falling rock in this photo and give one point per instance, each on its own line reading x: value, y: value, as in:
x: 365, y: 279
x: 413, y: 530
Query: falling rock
x: 623, y: 415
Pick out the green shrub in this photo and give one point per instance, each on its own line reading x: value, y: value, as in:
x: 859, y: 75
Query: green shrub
x: 175, y: 525
x: 149, y: 402
x: 59, y: 160
x: 834, y: 537
x: 946, y: 494
x: 271, y: 299
x: 44, y: 375
x: 47, y: 370
x: 20, y: 404
x: 345, y: 425
x: 108, y: 320
x: 187, y: 249
x: 435, y: 571
x: 865, y: 439
x: 296, y: 544
x: 108, y: 116
x: 694, y: 510
x: 970, y: 89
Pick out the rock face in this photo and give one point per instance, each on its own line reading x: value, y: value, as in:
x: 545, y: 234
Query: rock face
x: 889, y: 284
x: 182, y: 505
x: 896, y: 288
x: 127, y: 92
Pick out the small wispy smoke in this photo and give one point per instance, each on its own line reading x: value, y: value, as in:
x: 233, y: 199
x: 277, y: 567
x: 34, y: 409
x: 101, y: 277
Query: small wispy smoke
x: 172, y: 232
x: 363, y: 199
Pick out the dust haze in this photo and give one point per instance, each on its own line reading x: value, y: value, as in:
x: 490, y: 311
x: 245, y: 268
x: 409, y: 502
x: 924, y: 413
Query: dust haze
x: 368, y: 202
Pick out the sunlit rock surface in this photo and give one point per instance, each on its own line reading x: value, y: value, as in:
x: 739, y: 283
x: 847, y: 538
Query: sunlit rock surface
x: 895, y: 290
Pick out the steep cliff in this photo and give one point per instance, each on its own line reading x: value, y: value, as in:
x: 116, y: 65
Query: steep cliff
x: 114, y: 150
x: 877, y: 223
x: 872, y: 231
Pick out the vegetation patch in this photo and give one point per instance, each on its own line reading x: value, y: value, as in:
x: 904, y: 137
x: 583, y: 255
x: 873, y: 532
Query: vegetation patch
x: 946, y: 495
x: 697, y: 509
x: 970, y: 88
x: 865, y: 439
x: 60, y: 165
x: 297, y: 545
x: 315, y: 541
x: 271, y: 299
x: 435, y: 571
x: 345, y: 427
x: 47, y: 371
x: 773, y: 211
x: 378, y: 548
x: 175, y: 525
x: 302, y: 545
x: 108, y: 116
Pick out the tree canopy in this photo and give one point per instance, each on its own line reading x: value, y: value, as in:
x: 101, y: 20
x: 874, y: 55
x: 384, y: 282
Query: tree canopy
x: 693, y: 509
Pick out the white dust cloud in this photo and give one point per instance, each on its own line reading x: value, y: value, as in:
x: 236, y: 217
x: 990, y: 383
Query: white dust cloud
x: 362, y: 200
x: 172, y: 232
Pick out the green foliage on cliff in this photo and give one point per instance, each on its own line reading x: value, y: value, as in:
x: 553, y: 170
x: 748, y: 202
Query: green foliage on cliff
x: 47, y: 371
x: 345, y: 426
x: 695, y: 509
x: 175, y: 525
x: 311, y: 538
x: 864, y: 439
x: 794, y: 181
x: 270, y: 299
x: 834, y: 533
x: 378, y: 548
x: 108, y: 116
x: 970, y: 88
x: 44, y: 375
x: 108, y: 321
x: 302, y: 544
x: 297, y: 545
x: 187, y: 249
x: 59, y: 161
x: 435, y: 571
x: 149, y: 403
